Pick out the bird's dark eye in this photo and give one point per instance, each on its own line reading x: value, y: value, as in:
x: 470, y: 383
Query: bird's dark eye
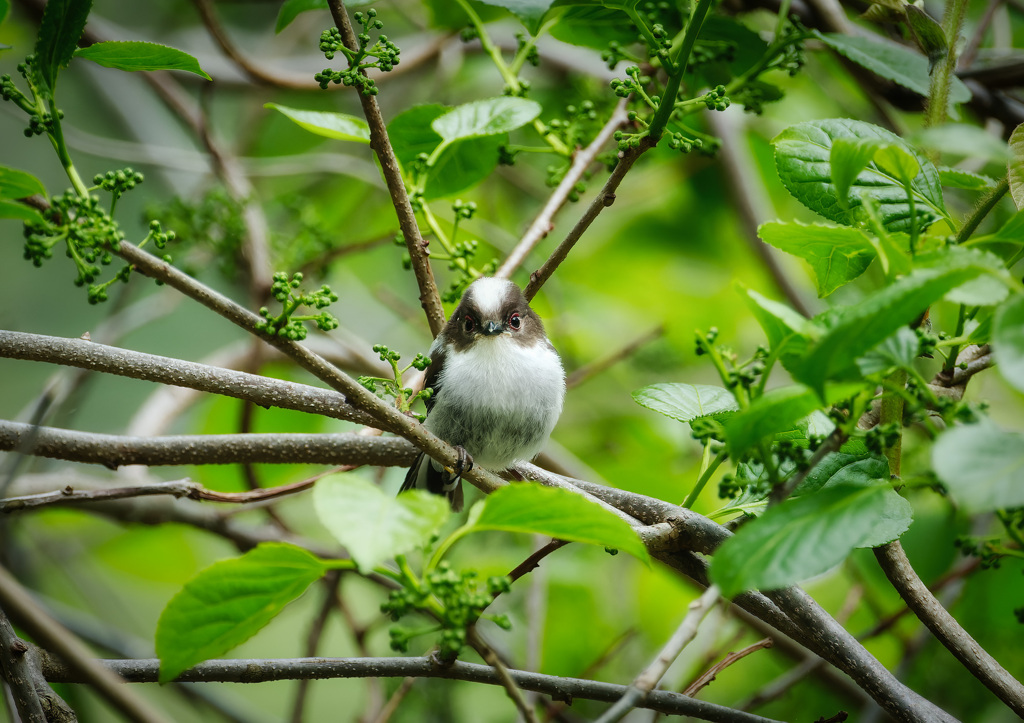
x: 467, y: 323
x: 515, y: 321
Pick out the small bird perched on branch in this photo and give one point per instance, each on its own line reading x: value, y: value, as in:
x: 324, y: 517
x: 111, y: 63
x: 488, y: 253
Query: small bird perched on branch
x: 498, y: 387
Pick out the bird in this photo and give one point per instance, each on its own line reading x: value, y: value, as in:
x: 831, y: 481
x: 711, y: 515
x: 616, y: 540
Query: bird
x: 498, y: 387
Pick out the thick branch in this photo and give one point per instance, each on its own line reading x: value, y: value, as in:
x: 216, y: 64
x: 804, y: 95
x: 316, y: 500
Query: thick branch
x: 945, y: 627
x: 260, y: 671
x: 264, y: 391
x: 114, y: 451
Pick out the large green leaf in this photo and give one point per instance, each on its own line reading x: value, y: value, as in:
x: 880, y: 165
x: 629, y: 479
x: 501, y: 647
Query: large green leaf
x: 982, y: 466
x: 803, y: 161
x: 1015, y: 166
x: 19, y: 184
x: 893, y: 62
x: 1008, y: 341
x: 229, y: 602
x: 488, y: 117
x: 775, y: 411
x: 837, y: 254
x: 59, y: 31
x: 854, y: 330
x: 461, y: 165
x: 533, y: 508
x: 842, y: 468
x: 373, y: 525
x: 686, y: 402
x: 137, y: 55
x: 898, y: 350
x: 340, y: 126
x: 806, y: 536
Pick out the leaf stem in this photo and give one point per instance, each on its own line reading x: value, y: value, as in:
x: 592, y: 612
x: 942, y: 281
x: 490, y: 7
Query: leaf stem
x: 982, y: 210
x: 707, y: 471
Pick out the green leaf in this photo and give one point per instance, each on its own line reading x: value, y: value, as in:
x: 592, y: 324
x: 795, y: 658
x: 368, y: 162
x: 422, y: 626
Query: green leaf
x: 1015, y: 166
x: 373, y: 525
x: 927, y: 33
x: 686, y: 402
x: 837, y: 254
x: 530, y: 12
x: 13, y: 209
x: 1008, y: 341
x: 893, y: 62
x: 593, y: 26
x: 291, y: 9
x: 489, y: 117
x: 59, y: 31
x: 19, y: 184
x: 802, y: 159
x: 781, y: 324
x: 898, y: 350
x: 1011, y: 232
x: 807, y: 536
x: 532, y: 508
x: 461, y: 165
x: 229, y: 602
x: 774, y: 411
x: 982, y: 466
x: 5, y: 7
x: 964, y: 140
x: 959, y: 178
x: 853, y: 330
x: 330, y: 125
x: 840, y: 468
x: 136, y: 55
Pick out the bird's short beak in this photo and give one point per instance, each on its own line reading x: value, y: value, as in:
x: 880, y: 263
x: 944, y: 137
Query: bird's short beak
x: 492, y: 328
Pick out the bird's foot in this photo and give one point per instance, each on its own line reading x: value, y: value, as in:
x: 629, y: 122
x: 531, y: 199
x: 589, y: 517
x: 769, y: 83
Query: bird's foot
x: 463, y: 464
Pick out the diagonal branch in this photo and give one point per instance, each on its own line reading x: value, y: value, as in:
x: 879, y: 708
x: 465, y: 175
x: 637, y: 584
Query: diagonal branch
x: 544, y: 221
x: 430, y: 299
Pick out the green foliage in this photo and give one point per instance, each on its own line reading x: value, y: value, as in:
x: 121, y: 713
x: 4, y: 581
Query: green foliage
x: 803, y: 160
x: 837, y: 254
x: 533, y: 508
x: 289, y: 324
x: 773, y: 411
x: 229, y: 602
x: 137, y: 55
x: 687, y: 402
x: 340, y: 126
x: 373, y: 525
x: 1015, y: 166
x: 61, y: 27
x: 1008, y: 338
x: 19, y: 184
x: 982, y: 466
x: 809, y: 535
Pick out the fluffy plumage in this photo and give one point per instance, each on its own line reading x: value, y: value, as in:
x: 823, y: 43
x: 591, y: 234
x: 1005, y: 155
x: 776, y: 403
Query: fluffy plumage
x: 498, y: 385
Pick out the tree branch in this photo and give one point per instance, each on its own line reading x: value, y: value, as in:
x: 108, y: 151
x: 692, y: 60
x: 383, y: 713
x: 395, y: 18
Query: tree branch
x: 944, y: 626
x: 544, y: 221
x: 264, y: 391
x: 653, y: 673
x: 261, y: 670
x: 17, y: 670
x: 430, y: 299
x: 709, y: 676
x: 604, y: 199
x: 46, y: 631
x: 114, y: 451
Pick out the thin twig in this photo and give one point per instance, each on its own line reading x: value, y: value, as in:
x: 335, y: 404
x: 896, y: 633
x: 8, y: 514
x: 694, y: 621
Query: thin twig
x: 17, y: 603
x: 533, y: 561
x: 544, y: 221
x: 249, y: 68
x: 587, y: 371
x: 430, y: 299
x: 507, y: 681
x: 653, y: 673
x: 708, y: 676
x: 115, y: 451
x: 945, y: 627
x: 16, y: 670
x: 604, y: 199
x: 262, y: 670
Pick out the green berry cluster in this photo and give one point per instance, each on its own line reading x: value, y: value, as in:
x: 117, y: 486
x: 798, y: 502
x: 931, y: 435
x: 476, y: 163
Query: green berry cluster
x: 461, y: 604
x: 87, y: 232
x: 532, y: 56
x: 384, y: 54
x: 881, y: 437
x: 392, y: 387
x: 715, y: 99
x: 39, y: 122
x: 634, y: 82
x: 117, y: 183
x: 289, y: 325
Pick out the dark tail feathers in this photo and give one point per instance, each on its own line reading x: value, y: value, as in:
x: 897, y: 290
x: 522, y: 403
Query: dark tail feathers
x: 426, y: 474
